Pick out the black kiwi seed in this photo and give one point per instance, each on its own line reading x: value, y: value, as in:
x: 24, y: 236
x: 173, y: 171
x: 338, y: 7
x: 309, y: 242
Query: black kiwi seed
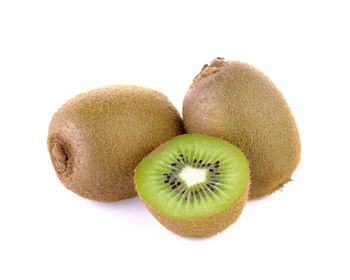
x: 194, y: 161
x: 173, y: 164
x: 208, y: 164
x: 217, y: 162
x: 211, y: 170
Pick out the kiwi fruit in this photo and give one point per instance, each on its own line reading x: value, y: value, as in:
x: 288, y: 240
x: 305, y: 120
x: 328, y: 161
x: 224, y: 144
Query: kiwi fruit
x: 238, y: 103
x: 194, y: 185
x: 97, y: 138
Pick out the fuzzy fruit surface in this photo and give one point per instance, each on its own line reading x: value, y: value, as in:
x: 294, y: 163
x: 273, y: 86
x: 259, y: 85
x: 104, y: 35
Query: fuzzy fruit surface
x: 238, y: 103
x: 97, y: 138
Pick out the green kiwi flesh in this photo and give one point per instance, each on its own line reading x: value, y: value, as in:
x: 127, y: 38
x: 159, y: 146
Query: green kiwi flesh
x: 195, y: 185
x: 97, y: 138
x: 238, y: 103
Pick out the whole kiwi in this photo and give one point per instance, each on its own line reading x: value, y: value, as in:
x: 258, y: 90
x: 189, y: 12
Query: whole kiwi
x: 97, y: 138
x: 240, y: 104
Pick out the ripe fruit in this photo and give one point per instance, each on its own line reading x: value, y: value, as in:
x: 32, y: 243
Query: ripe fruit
x: 97, y: 138
x: 194, y: 185
x: 238, y: 103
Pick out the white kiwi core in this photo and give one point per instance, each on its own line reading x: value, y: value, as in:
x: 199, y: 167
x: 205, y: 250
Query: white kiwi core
x: 193, y: 176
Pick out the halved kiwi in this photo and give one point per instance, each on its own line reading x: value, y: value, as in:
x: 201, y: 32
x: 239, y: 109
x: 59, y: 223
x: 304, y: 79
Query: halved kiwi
x: 195, y: 185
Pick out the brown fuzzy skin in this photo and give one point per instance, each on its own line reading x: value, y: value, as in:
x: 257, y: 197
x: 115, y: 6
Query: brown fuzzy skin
x: 97, y: 138
x: 238, y: 103
x: 203, y: 226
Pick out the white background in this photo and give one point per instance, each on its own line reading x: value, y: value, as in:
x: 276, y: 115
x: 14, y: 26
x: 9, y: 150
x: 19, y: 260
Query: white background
x: 52, y: 50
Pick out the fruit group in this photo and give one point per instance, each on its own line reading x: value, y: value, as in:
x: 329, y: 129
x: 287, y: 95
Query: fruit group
x: 238, y: 103
x: 194, y: 185
x: 97, y: 138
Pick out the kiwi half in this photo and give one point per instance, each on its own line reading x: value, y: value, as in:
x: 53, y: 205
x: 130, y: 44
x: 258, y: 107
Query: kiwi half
x: 238, y: 103
x: 96, y: 139
x: 194, y: 185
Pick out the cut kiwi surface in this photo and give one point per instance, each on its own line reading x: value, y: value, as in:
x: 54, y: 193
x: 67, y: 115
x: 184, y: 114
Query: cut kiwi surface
x: 190, y: 180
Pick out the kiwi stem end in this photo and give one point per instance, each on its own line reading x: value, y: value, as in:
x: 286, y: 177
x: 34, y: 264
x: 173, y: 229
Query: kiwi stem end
x: 59, y: 157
